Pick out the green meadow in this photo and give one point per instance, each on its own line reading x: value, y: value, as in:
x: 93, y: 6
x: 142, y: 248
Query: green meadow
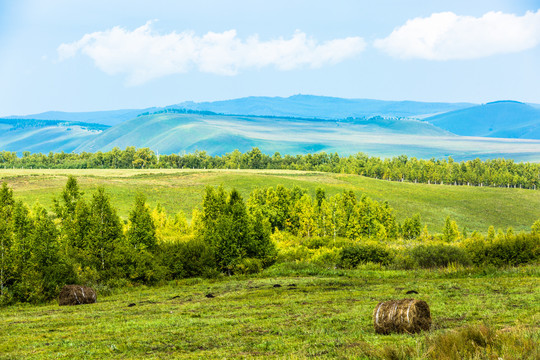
x: 473, y: 208
x: 288, y: 312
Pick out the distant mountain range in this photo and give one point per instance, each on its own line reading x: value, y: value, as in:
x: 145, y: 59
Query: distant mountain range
x: 297, y: 124
x: 322, y: 107
x: 109, y: 118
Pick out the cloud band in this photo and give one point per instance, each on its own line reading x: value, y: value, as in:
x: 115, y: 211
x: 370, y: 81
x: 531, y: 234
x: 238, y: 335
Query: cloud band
x: 447, y: 36
x: 143, y: 55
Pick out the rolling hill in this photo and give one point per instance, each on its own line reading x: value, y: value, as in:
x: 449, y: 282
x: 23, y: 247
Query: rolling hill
x: 502, y: 119
x: 298, y: 124
x: 45, y: 135
x: 218, y: 134
x: 109, y: 118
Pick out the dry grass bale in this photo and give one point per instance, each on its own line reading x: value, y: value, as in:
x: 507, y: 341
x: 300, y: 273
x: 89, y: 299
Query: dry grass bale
x: 76, y: 295
x: 401, y: 316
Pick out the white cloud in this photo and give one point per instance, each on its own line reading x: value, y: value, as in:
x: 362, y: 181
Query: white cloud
x: 446, y: 36
x: 143, y: 55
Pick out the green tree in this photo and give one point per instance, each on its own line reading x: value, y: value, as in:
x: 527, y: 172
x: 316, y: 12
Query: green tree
x: 5, y: 252
x: 71, y: 194
x: 412, y: 227
x: 320, y: 195
x: 6, y: 198
x: 142, y: 231
x: 535, y: 228
x: 105, y: 230
x: 6, y: 208
x: 260, y: 245
x: 48, y: 269
x: 450, y: 231
x: 491, y: 233
x: 22, y: 232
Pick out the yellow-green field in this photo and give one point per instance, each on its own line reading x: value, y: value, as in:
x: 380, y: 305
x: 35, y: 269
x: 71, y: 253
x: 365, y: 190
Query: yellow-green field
x: 475, y: 208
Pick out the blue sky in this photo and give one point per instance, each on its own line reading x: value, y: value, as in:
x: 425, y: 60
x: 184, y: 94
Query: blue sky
x: 72, y: 55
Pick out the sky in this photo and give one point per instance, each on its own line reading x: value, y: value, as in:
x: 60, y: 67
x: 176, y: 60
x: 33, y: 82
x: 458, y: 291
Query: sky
x: 74, y: 55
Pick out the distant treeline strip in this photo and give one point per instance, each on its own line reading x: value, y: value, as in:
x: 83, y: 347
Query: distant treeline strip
x: 497, y: 172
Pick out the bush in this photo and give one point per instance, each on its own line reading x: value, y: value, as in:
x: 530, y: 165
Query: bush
x: 432, y: 256
x: 481, y: 342
x: 505, y: 250
x: 353, y: 255
x: 314, y: 243
x: 190, y: 258
x: 326, y: 256
x: 403, y: 261
x: 248, y: 266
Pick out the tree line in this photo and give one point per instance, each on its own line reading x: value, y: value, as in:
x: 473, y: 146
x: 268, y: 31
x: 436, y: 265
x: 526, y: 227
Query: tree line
x: 496, y: 172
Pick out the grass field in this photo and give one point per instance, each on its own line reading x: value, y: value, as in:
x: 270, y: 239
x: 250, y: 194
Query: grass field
x: 289, y: 310
x: 313, y: 314
x: 472, y: 207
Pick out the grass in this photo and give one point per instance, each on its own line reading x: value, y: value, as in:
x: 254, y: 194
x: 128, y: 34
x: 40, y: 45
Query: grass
x: 475, y: 208
x: 315, y: 313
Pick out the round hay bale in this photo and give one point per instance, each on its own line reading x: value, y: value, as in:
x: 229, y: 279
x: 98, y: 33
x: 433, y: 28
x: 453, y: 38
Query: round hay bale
x: 401, y: 316
x: 76, y: 295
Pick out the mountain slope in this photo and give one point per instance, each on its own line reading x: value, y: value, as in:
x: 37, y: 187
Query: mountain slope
x: 322, y: 107
x: 45, y: 135
x: 218, y: 134
x: 503, y: 119
x: 109, y: 118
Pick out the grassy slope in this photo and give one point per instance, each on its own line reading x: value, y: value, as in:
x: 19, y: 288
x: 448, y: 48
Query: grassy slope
x: 473, y: 207
x: 323, y: 316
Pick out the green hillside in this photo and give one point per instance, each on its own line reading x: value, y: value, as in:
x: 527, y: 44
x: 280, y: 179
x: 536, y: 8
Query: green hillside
x: 472, y: 207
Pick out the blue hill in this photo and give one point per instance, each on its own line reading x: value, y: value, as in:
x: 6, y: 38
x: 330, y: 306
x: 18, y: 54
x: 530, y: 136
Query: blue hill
x: 502, y: 119
x: 218, y: 134
x: 43, y: 136
x: 109, y: 118
x: 176, y: 132
x: 323, y: 107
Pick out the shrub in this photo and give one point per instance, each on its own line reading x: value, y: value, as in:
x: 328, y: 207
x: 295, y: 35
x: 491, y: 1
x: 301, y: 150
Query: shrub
x: 315, y: 242
x: 481, y: 342
x: 190, y: 258
x: 404, y: 261
x: 326, y: 256
x: 248, y: 266
x: 353, y: 255
x: 432, y: 256
x: 504, y: 250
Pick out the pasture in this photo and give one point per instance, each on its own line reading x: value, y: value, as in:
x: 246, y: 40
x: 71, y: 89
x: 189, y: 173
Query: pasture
x: 287, y: 312
x: 474, y: 208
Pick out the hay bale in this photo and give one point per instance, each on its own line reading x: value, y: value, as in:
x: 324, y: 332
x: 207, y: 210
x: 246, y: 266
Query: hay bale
x: 401, y: 316
x: 76, y: 295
